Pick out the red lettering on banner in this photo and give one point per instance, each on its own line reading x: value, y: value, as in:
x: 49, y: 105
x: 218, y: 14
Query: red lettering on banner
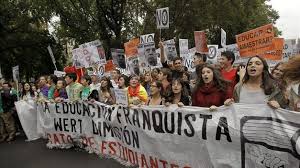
x: 143, y: 160
x: 174, y: 166
x: 153, y: 163
x: 112, y: 150
x: 102, y: 146
x: 131, y: 157
x: 69, y: 138
x: 49, y: 138
x: 56, y: 140
x: 164, y: 163
x: 136, y: 158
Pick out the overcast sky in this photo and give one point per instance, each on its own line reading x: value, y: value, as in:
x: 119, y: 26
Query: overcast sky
x: 289, y: 21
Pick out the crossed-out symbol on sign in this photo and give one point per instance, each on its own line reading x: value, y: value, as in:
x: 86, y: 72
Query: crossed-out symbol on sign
x: 212, y: 52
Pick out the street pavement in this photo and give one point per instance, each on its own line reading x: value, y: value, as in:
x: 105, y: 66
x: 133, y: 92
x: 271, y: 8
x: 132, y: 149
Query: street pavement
x: 21, y: 154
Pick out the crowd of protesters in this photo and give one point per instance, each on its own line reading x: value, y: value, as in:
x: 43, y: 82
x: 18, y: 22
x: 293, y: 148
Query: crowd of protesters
x: 211, y: 86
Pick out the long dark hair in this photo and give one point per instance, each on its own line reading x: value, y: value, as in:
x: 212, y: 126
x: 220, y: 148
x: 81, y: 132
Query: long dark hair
x: 184, y: 92
x: 109, y: 84
x: 30, y: 89
x: 267, y: 79
x: 126, y: 79
x: 218, y: 80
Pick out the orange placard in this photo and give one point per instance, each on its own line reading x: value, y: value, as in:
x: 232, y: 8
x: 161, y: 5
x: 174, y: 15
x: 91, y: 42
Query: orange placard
x: 276, y: 50
x: 131, y: 47
x: 255, y: 41
x: 109, y: 66
x: 201, y: 42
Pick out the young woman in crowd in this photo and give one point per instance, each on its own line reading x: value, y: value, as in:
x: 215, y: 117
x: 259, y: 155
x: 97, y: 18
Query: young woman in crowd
x: 27, y: 92
x: 179, y: 94
x: 154, y: 74
x: 155, y: 94
x: 137, y: 94
x: 85, y: 81
x: 106, y: 93
x: 292, y: 75
x: 123, y: 82
x: 60, y: 92
x: 211, y: 89
x: 258, y: 86
x: 51, y: 81
x: 277, y: 71
x: 147, y: 81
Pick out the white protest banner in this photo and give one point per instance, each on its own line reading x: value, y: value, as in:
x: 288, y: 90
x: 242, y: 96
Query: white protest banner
x: 121, y: 96
x: 78, y: 59
x: 100, y: 48
x: 28, y: 117
x: 162, y: 18
x: 16, y: 73
x: 223, y: 38
x: 119, y: 59
x: 183, y: 47
x: 212, y: 53
x: 147, y: 38
x: 52, y: 56
x: 239, y: 136
x: 59, y: 73
x: 170, y: 50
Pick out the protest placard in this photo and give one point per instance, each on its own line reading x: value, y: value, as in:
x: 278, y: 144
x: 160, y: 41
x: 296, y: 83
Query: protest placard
x: 223, y: 38
x: 78, y: 59
x: 201, y: 42
x: 183, y: 48
x: 59, y: 73
x: 170, y: 50
x: 121, y: 96
x: 131, y: 47
x: 109, y: 66
x: 143, y: 64
x: 275, y: 52
x: 133, y: 63
x: 16, y: 73
x: 100, y: 48
x: 119, y: 59
x: 52, y: 56
x: 147, y: 38
x: 162, y: 18
x: 212, y: 53
x: 256, y: 41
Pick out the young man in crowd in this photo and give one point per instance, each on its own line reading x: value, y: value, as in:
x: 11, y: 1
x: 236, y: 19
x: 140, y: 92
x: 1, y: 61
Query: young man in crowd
x: 73, y: 89
x: 44, y: 89
x: 199, y: 59
x: 7, y: 128
x: 177, y: 68
x: 115, y: 74
x: 95, y: 85
x: 228, y: 72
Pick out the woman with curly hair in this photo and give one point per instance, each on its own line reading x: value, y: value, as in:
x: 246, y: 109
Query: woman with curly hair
x: 179, y: 94
x: 292, y: 74
x: 211, y: 89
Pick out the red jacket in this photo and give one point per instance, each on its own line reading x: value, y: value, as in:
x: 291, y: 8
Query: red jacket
x: 209, y: 95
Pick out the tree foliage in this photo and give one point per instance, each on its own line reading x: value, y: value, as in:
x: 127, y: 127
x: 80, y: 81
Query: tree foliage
x: 115, y: 22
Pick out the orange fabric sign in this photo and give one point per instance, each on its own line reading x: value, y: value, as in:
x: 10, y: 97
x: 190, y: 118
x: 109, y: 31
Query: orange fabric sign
x: 109, y: 66
x: 201, y: 42
x: 276, y: 50
x: 255, y: 41
x: 131, y: 47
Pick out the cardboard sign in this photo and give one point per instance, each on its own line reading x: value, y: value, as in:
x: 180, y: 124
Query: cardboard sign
x: 78, y: 58
x: 133, y: 63
x: 119, y: 59
x: 201, y: 42
x: 121, y: 96
x: 143, y: 64
x: 223, y: 38
x: 276, y: 50
x: 131, y: 47
x: 212, y: 53
x: 162, y: 18
x: 59, y: 73
x: 235, y: 49
x: 100, y: 48
x: 170, y: 50
x: 183, y: 47
x: 16, y: 73
x: 148, y: 38
x: 256, y: 41
x: 288, y: 49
